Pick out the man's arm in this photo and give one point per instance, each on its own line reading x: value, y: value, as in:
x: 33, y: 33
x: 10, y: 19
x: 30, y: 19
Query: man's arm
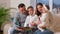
x: 26, y: 22
x: 14, y: 23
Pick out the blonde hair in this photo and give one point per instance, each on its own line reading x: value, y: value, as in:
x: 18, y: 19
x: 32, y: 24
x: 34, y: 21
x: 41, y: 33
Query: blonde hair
x: 46, y: 8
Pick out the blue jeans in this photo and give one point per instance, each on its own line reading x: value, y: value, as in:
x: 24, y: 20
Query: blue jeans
x: 14, y: 31
x: 44, y: 32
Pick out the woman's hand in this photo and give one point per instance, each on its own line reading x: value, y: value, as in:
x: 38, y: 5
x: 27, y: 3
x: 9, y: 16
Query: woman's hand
x: 44, y: 9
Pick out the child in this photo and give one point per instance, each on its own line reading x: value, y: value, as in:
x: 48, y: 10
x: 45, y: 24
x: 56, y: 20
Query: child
x: 31, y: 19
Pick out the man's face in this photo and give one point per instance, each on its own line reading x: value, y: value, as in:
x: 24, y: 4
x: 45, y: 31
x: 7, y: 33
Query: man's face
x: 39, y: 8
x: 22, y: 9
x: 30, y: 11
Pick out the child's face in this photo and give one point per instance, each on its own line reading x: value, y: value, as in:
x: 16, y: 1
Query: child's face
x: 30, y: 11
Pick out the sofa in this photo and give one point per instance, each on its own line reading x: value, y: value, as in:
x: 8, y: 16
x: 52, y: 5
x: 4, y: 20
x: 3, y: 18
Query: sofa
x: 55, y: 27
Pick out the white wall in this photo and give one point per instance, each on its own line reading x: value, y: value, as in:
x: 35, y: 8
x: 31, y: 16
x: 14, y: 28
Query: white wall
x: 5, y: 3
x: 51, y: 4
x: 15, y: 3
x: 33, y: 3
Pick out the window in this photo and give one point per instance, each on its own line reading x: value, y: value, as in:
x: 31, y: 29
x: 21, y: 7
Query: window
x: 56, y: 6
x: 43, y: 1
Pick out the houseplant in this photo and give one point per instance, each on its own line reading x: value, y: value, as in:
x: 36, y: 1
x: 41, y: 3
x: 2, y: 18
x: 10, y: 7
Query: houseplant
x: 4, y: 13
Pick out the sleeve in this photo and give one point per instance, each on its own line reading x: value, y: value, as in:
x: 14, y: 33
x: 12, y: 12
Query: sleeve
x: 15, y: 20
x: 26, y: 22
x: 43, y: 18
x: 36, y: 19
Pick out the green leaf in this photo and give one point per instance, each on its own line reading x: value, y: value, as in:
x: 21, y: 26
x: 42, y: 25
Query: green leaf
x: 4, y: 14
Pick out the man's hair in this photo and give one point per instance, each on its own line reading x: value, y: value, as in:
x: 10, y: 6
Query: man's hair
x: 29, y: 7
x: 21, y: 5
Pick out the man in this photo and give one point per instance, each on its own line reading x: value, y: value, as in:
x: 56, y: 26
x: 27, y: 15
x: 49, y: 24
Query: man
x: 19, y: 20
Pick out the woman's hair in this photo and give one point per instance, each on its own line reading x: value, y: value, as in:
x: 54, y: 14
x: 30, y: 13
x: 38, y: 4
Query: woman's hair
x: 39, y: 4
x: 37, y: 12
x: 43, y: 27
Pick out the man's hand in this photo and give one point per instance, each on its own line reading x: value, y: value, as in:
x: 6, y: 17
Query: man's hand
x: 19, y: 29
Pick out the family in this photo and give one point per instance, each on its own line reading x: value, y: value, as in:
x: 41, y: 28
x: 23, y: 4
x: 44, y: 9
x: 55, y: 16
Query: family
x: 37, y: 20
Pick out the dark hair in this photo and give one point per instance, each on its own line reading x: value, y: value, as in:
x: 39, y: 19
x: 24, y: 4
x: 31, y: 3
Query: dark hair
x: 43, y: 27
x: 21, y: 5
x: 47, y: 6
x: 39, y: 4
x: 29, y: 7
x: 37, y: 12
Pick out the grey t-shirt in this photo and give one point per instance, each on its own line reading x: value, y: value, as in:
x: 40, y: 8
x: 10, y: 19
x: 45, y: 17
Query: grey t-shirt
x: 20, y: 19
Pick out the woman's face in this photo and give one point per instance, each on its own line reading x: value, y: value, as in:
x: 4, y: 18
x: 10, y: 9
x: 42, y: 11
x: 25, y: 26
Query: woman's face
x: 39, y: 8
x: 30, y: 11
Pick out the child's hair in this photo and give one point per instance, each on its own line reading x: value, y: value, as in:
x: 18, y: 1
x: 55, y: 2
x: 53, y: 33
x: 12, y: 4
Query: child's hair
x: 29, y: 7
x: 21, y: 5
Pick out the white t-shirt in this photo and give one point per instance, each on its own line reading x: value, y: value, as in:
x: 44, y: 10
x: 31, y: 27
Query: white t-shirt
x: 30, y: 19
x: 42, y: 18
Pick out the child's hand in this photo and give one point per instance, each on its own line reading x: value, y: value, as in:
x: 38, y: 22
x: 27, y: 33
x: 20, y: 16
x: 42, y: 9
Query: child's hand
x: 39, y: 22
x: 33, y: 24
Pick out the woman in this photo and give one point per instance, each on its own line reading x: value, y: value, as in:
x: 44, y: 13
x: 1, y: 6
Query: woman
x: 42, y: 12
